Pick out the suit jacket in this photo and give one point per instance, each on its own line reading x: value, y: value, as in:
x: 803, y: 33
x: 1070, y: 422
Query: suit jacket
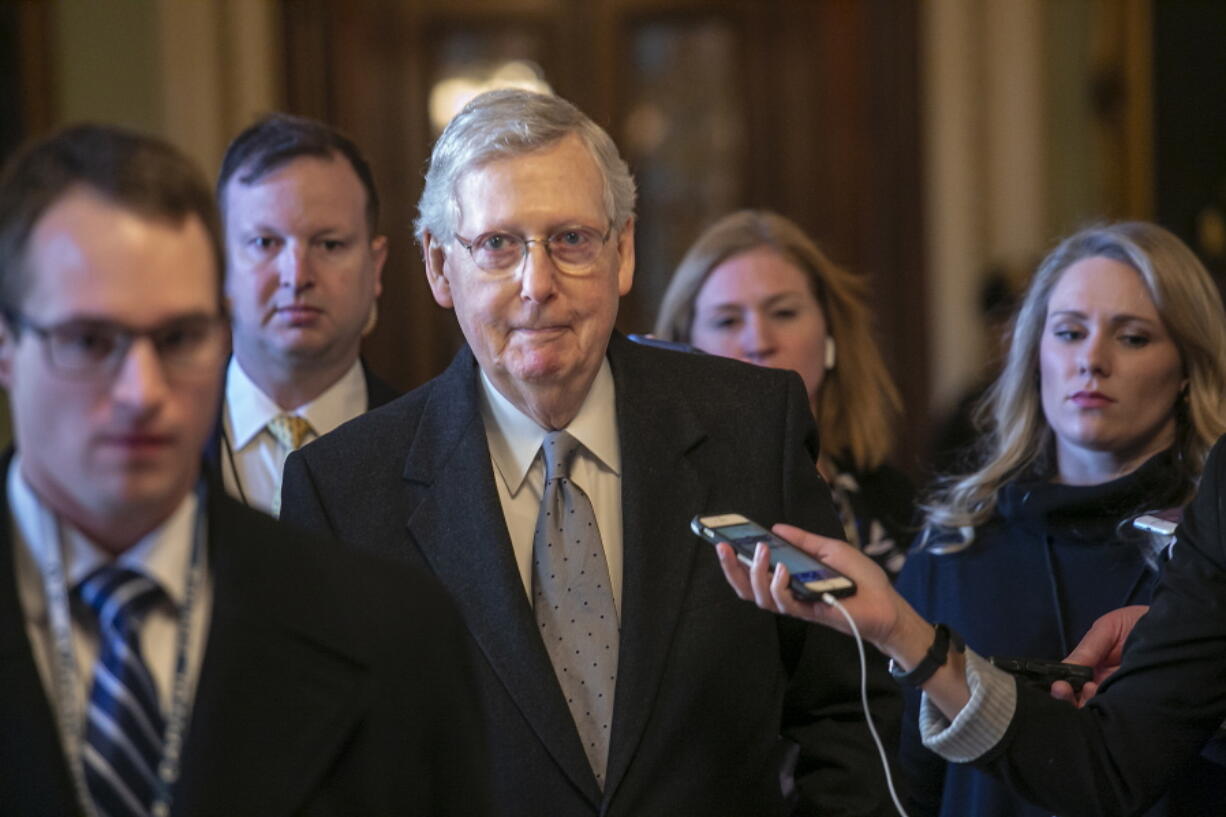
x: 1149, y: 720
x: 706, y: 682
x: 378, y: 392
x: 331, y: 684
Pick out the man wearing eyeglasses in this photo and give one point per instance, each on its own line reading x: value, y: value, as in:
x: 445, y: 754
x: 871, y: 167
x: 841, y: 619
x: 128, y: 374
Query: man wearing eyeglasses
x: 548, y: 478
x: 163, y: 649
x: 304, y: 262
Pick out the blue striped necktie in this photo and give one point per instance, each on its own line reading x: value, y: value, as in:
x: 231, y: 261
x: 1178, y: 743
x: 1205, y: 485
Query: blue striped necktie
x: 124, y: 725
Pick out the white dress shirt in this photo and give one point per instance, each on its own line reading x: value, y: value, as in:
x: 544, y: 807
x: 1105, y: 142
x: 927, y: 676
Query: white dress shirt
x: 515, y: 443
x: 163, y: 555
x: 251, y: 451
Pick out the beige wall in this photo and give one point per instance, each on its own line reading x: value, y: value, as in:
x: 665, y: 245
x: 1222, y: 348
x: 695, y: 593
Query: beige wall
x: 193, y: 72
x: 983, y: 120
x: 1014, y: 156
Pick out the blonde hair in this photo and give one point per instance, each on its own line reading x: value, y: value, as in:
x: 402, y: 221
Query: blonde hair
x: 858, y: 401
x: 1017, y: 439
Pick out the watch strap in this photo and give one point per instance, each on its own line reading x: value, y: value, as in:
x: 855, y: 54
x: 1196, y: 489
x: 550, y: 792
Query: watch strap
x: 932, y: 661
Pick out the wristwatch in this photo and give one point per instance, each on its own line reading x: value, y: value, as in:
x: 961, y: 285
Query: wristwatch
x: 932, y: 661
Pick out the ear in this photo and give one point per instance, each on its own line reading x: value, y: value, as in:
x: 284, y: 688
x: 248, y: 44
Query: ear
x: 625, y: 253
x: 8, y: 347
x: 435, y: 259
x: 831, y: 353
x: 226, y: 278
x: 378, y: 251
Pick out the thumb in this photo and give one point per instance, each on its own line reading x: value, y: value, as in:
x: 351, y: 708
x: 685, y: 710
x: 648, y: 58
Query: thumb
x: 1094, y: 649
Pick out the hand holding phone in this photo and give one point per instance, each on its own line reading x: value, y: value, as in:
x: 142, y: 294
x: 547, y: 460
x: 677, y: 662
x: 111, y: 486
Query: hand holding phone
x: 809, y: 578
x: 1043, y: 673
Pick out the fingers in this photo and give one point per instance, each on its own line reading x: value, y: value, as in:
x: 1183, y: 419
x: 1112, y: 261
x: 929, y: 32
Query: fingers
x: 1095, y: 648
x: 770, y: 588
x: 752, y: 583
x: 839, y: 555
x: 762, y: 578
x: 734, y: 571
x: 1105, y: 641
x: 1063, y: 691
x: 781, y: 591
x: 1088, y: 691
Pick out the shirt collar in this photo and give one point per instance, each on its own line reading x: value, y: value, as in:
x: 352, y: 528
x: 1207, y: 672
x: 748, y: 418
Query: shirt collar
x: 515, y: 438
x: 248, y: 408
x: 163, y: 554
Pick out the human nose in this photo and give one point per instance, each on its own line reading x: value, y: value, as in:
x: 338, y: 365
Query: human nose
x: 294, y: 269
x: 1094, y: 355
x: 537, y: 281
x: 140, y: 383
x: 757, y: 339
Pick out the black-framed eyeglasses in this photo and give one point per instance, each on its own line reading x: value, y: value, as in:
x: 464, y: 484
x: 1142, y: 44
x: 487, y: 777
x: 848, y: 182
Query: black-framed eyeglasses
x: 89, y: 349
x: 573, y: 250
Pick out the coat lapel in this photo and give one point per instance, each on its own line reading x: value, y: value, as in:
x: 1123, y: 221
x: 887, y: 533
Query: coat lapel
x: 274, y: 702
x: 35, y: 776
x: 456, y: 521
x: 661, y: 491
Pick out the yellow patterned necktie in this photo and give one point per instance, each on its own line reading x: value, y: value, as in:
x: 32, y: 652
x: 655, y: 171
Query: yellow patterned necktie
x: 289, y: 430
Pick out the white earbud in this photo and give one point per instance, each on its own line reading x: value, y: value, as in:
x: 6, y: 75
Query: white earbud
x: 830, y: 353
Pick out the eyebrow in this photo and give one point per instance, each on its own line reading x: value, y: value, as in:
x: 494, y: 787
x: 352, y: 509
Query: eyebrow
x: 560, y: 227
x: 95, y: 319
x: 771, y: 301
x: 1115, y: 319
x: 262, y: 228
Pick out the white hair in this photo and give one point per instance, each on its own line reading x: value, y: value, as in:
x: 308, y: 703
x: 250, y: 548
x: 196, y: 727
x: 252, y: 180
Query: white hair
x: 511, y: 122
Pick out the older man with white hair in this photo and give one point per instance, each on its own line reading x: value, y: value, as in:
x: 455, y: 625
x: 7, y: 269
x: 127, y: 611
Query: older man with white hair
x: 548, y: 478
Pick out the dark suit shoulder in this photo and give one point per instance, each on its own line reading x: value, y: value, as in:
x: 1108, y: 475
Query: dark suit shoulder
x: 713, y: 386
x: 693, y: 369
x: 320, y: 586
x: 1201, y: 527
x: 378, y: 391
x: 328, y: 674
x: 377, y: 432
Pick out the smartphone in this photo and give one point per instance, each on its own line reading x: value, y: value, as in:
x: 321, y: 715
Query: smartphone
x: 810, y: 579
x: 1162, y: 523
x: 674, y: 345
x: 1042, y: 673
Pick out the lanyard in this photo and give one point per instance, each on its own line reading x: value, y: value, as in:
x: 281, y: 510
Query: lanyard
x: 238, y: 480
x: 64, y: 665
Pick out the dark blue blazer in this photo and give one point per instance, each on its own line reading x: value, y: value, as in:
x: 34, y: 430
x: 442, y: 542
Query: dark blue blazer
x: 1148, y: 722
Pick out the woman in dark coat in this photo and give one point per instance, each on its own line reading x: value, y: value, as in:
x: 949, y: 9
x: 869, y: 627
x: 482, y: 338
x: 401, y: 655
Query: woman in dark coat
x: 1111, y: 396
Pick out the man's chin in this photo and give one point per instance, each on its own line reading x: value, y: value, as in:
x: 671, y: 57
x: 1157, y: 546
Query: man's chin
x: 540, y: 369
x: 143, y: 497
x: 304, y: 346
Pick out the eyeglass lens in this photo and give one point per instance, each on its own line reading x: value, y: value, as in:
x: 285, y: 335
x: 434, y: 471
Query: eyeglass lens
x: 81, y: 347
x: 572, y: 250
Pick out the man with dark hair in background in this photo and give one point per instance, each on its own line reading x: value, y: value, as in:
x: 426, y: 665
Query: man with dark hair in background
x: 303, y: 266
x: 163, y: 649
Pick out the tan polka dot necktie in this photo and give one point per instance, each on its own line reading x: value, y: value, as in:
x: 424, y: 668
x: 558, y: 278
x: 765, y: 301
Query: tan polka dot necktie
x: 289, y: 430
x: 574, y: 602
